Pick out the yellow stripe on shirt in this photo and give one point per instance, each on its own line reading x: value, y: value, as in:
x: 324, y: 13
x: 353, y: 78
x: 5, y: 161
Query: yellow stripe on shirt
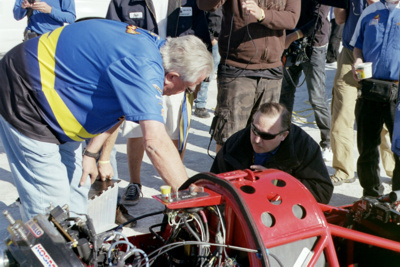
x: 46, y: 57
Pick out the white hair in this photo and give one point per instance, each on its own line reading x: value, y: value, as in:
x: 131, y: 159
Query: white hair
x: 188, y: 56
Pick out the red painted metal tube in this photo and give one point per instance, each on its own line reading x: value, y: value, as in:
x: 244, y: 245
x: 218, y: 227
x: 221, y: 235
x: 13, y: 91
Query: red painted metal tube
x: 364, y: 238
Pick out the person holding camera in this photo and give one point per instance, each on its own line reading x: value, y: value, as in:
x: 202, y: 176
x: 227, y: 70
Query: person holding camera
x: 272, y: 141
x: 44, y: 16
x: 314, y: 25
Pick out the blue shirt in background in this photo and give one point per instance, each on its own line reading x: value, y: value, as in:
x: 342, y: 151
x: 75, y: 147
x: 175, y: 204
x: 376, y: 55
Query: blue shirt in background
x: 378, y: 36
x: 355, y: 9
x: 63, y: 11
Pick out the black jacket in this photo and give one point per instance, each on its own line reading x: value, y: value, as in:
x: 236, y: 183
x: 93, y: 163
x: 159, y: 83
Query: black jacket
x: 214, y: 19
x: 141, y: 13
x: 311, y: 11
x: 299, y: 155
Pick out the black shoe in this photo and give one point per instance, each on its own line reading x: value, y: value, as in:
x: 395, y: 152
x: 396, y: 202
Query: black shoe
x: 375, y: 191
x: 122, y: 216
x: 201, y: 113
x: 131, y: 195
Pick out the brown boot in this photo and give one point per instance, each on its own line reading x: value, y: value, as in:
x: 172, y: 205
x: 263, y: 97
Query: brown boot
x: 122, y: 216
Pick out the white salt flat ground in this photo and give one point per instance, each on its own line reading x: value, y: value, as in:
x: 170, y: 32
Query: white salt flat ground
x: 196, y: 160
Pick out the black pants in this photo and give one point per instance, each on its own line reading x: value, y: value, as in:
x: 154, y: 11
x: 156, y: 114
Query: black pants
x: 334, y: 42
x: 370, y: 117
x: 28, y: 34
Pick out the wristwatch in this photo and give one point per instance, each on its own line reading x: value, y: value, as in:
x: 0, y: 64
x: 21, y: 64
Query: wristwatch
x: 90, y: 154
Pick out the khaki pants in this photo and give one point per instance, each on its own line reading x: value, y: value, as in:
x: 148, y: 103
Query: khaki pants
x: 344, y: 96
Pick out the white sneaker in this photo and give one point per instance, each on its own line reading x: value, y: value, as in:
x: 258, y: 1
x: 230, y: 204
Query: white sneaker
x: 327, y: 154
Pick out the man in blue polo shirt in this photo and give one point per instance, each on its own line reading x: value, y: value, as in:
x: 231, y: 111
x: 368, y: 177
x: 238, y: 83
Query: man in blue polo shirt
x: 377, y: 40
x: 344, y: 96
x: 78, y: 82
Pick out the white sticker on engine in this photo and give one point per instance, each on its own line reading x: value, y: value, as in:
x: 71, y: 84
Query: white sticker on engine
x: 43, y: 256
x: 34, y: 228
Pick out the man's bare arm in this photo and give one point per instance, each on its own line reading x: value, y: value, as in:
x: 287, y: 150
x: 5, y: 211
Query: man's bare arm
x: 104, y: 166
x: 358, y: 59
x: 89, y: 165
x: 340, y: 15
x: 163, y: 154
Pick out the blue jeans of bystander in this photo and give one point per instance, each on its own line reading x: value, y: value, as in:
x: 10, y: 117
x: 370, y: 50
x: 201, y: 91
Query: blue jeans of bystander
x: 201, y: 100
x: 314, y: 71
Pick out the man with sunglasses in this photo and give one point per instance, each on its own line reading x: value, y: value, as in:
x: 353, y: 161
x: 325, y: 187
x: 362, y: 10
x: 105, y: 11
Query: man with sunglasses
x: 271, y: 141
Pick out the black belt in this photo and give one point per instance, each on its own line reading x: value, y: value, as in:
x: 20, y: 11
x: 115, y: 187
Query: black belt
x: 29, y: 34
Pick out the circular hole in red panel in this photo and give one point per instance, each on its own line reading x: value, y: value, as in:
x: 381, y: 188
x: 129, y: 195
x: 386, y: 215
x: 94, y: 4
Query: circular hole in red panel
x: 274, y: 198
x: 267, y: 219
x: 299, y: 211
x: 278, y: 182
x: 248, y: 189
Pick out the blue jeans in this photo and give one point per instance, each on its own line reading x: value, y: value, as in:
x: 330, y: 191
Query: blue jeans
x: 45, y: 173
x: 201, y: 100
x: 314, y: 71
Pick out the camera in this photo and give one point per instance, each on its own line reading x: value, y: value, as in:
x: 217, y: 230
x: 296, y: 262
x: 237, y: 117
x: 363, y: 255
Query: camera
x: 298, y: 52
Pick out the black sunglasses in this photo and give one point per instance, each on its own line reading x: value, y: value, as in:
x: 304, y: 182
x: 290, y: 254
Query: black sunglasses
x: 264, y: 136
